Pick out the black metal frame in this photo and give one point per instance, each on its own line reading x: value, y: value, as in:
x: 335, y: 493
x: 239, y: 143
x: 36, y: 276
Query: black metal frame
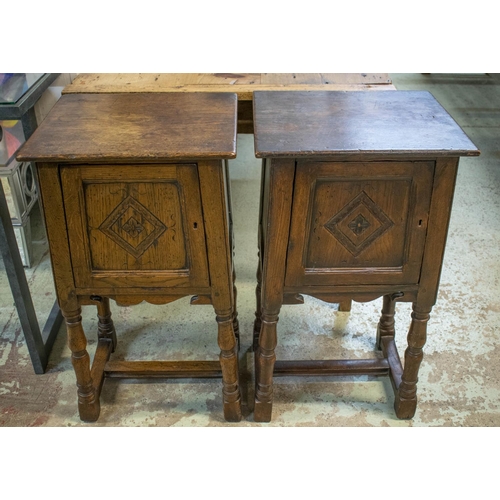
x: 39, y: 342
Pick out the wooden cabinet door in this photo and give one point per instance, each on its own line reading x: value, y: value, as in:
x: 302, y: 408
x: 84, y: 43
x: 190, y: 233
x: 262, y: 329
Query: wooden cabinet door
x: 358, y: 222
x: 135, y: 226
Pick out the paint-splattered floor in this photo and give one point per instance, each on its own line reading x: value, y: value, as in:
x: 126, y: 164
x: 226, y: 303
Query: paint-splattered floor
x: 459, y: 382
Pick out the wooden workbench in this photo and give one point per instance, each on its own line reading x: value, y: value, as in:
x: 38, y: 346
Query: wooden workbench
x: 242, y: 84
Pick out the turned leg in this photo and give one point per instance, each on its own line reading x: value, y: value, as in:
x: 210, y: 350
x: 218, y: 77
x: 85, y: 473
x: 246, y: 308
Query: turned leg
x: 406, y: 397
x: 345, y: 305
x: 264, y: 367
x: 88, y: 404
x: 213, y: 182
x: 229, y: 365
x: 277, y: 192
x: 385, y: 327
x: 236, y: 326
x: 258, y: 322
x: 105, y: 326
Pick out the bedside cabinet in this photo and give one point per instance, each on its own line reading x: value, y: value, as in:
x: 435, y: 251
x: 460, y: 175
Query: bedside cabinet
x: 356, y: 198
x: 134, y: 189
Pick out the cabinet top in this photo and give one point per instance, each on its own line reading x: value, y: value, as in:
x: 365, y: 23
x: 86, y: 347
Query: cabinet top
x: 136, y: 127
x: 306, y: 124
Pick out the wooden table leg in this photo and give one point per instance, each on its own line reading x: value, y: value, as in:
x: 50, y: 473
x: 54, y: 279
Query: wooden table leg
x: 385, y: 327
x: 105, y: 326
x: 88, y: 403
x: 213, y: 187
x: 236, y: 325
x: 258, y: 308
x: 264, y: 367
x: 345, y: 305
x: 229, y: 365
x: 229, y: 201
x: 279, y: 175
x: 406, y: 397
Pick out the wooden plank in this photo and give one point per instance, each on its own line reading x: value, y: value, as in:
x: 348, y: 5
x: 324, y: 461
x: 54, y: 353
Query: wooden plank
x: 291, y: 79
x: 325, y: 78
x: 168, y: 82
x: 173, y: 79
x: 85, y: 82
x: 243, y: 84
x: 244, y: 92
x: 332, y: 367
x: 225, y: 78
x: 163, y: 369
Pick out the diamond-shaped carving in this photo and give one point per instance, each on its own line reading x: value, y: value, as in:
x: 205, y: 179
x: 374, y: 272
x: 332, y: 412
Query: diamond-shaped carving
x: 359, y: 224
x: 132, y: 226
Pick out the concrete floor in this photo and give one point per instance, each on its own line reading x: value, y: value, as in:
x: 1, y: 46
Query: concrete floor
x: 459, y: 382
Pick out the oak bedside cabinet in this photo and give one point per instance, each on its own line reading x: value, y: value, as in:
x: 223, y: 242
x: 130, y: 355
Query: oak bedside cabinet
x: 356, y: 198
x: 134, y: 191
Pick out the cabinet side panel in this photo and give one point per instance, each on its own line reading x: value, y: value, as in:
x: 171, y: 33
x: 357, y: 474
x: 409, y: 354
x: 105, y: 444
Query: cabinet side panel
x: 51, y: 198
x: 439, y: 219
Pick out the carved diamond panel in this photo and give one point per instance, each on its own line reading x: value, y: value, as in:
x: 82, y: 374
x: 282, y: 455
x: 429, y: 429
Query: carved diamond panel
x: 359, y: 224
x: 132, y: 226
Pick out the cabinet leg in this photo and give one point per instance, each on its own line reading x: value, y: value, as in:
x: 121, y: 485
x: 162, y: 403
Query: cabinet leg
x: 265, y: 358
x: 258, y: 321
x: 88, y: 404
x: 105, y: 326
x: 406, y: 397
x: 345, y: 305
x: 236, y: 326
x: 229, y: 365
x: 385, y: 327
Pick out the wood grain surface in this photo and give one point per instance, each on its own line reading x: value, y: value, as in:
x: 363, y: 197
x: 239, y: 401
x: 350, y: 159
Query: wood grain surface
x: 299, y: 124
x: 331, y: 199
x: 136, y: 127
x: 243, y: 84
